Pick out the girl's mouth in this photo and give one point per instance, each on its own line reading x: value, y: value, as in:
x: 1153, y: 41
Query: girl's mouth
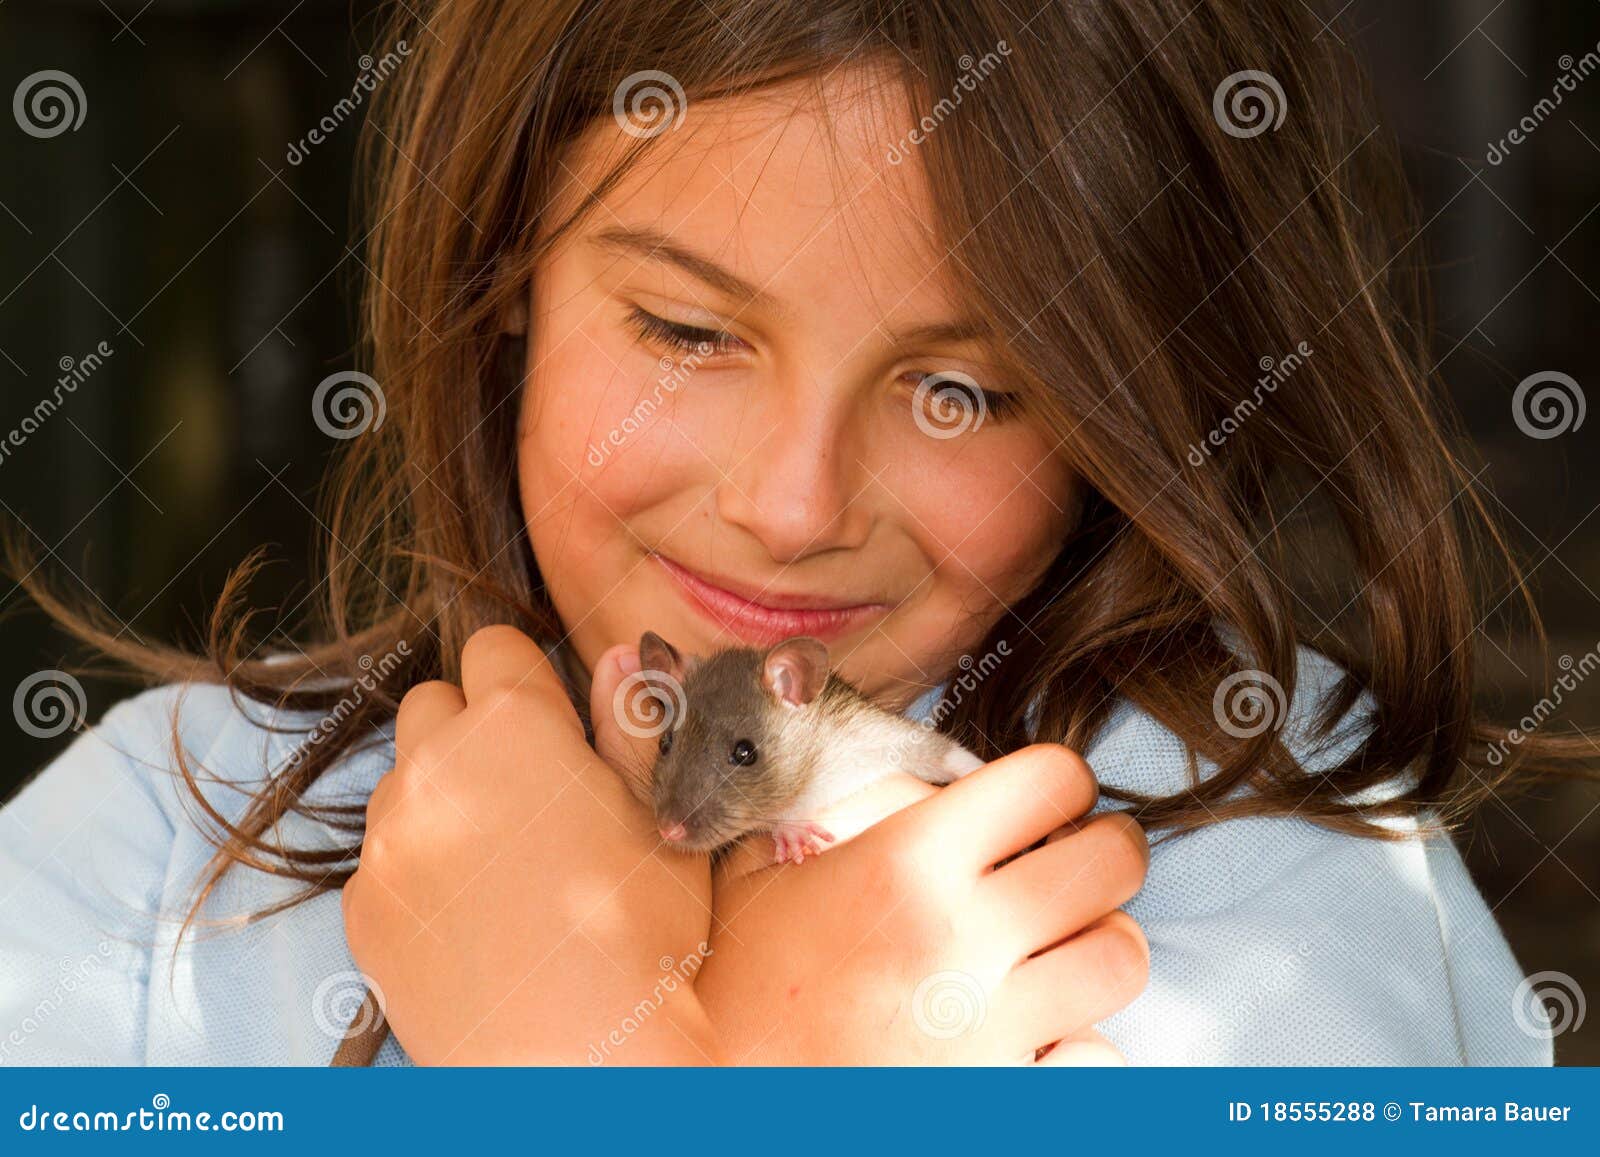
x: 763, y: 617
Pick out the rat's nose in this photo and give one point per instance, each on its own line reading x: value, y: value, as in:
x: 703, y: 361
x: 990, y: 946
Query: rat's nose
x: 674, y: 833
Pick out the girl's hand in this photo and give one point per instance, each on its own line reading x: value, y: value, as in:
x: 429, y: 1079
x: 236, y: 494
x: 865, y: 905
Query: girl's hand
x: 510, y: 903
x: 905, y: 946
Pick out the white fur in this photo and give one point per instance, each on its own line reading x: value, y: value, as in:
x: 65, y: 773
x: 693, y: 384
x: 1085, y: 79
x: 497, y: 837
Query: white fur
x: 854, y: 748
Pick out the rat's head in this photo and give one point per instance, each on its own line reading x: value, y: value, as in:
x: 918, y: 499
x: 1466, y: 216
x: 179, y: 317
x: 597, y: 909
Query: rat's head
x: 730, y: 762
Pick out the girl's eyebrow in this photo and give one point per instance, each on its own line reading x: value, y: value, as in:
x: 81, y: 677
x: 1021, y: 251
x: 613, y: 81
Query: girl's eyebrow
x: 942, y: 333
x: 655, y: 246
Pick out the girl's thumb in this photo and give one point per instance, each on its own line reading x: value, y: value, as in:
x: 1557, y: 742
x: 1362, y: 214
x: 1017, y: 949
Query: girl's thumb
x: 626, y: 717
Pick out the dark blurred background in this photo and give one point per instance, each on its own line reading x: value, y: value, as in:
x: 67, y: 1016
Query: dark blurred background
x: 171, y: 226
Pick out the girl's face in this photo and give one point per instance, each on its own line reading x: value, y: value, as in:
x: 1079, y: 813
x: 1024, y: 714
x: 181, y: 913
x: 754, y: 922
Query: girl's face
x: 722, y: 438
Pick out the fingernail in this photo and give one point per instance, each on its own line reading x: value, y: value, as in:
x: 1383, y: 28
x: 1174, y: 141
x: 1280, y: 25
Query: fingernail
x: 628, y: 661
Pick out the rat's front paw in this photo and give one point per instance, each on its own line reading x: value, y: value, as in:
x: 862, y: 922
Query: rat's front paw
x: 791, y: 841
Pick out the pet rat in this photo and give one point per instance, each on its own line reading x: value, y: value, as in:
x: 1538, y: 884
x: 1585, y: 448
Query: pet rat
x: 764, y: 741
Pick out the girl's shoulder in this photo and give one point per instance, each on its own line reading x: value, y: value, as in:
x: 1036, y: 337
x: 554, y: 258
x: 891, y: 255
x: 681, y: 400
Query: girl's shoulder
x: 231, y: 745
x: 1278, y: 941
x: 150, y: 778
x: 100, y: 854
x: 1136, y: 753
x: 139, y: 791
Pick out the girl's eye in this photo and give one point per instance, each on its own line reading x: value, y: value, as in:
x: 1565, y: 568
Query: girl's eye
x: 948, y: 403
x: 743, y: 753
x: 666, y: 741
x: 684, y: 338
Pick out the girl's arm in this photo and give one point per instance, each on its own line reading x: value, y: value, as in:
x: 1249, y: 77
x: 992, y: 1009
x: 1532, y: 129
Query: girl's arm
x: 83, y: 858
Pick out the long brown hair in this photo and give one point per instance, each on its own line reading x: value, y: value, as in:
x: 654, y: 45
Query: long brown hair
x: 1154, y: 200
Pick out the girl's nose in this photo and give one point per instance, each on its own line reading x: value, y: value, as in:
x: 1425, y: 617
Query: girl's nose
x: 799, y: 488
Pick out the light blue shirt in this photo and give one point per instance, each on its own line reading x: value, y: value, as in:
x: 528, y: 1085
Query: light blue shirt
x: 1272, y: 941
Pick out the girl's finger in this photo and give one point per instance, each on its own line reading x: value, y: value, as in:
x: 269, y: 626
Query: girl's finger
x: 1007, y: 805
x: 1087, y: 1049
x: 631, y: 751
x: 1065, y: 830
x: 424, y: 709
x: 502, y: 658
x: 379, y: 805
x: 1078, y: 983
x: 1054, y: 891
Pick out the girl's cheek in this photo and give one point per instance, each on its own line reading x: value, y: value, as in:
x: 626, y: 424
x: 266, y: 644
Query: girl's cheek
x: 643, y: 452
x: 607, y: 427
x: 994, y: 513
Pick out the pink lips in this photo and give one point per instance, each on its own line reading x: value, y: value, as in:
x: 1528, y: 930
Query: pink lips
x: 761, y: 617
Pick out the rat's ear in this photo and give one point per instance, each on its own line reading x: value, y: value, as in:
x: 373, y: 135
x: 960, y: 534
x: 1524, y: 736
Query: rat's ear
x: 796, y: 669
x: 656, y: 654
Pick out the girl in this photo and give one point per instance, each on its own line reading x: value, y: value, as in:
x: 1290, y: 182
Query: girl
x: 999, y: 348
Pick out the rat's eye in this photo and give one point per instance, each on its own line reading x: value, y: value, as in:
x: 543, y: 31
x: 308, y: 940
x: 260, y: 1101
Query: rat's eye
x: 666, y: 741
x: 743, y: 753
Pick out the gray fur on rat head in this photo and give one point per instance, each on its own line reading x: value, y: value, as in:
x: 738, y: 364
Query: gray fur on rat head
x: 815, y: 740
